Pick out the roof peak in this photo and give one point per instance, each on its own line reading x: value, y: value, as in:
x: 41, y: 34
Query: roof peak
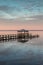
x: 22, y: 30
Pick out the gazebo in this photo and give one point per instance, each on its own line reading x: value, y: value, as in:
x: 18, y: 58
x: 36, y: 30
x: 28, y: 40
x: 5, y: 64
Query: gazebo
x: 22, y: 34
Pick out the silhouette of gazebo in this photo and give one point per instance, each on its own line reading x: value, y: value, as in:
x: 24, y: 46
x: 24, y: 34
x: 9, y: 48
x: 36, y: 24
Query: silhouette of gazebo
x: 22, y: 33
x: 22, y: 30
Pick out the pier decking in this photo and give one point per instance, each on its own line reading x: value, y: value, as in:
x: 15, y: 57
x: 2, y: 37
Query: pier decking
x: 18, y: 37
x: 7, y: 37
x: 21, y: 36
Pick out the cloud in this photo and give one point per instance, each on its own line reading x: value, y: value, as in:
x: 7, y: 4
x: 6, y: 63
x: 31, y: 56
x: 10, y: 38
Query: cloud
x: 4, y: 8
x: 38, y: 17
x: 13, y: 9
x: 4, y: 15
x: 29, y: 18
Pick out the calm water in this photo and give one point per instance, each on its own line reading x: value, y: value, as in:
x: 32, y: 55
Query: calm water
x: 17, y: 53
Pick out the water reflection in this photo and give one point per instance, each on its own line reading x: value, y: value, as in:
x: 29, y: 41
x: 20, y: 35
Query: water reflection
x: 25, y: 37
x: 16, y: 53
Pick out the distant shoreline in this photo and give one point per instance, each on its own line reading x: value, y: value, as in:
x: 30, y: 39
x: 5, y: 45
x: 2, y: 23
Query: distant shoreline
x: 17, y: 30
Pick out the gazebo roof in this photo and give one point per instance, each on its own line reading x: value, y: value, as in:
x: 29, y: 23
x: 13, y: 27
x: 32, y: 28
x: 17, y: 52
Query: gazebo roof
x: 22, y: 30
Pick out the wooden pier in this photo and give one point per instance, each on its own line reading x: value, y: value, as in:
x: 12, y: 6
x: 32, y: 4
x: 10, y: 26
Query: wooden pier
x: 21, y: 36
x: 7, y: 37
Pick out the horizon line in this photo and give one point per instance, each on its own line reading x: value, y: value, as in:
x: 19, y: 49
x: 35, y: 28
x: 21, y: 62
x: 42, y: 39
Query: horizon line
x: 19, y: 29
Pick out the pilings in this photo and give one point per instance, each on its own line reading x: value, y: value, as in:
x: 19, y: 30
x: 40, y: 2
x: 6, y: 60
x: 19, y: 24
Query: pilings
x: 7, y: 37
x: 18, y: 37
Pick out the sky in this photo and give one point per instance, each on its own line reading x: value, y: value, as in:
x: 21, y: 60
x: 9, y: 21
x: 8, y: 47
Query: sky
x: 19, y: 14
